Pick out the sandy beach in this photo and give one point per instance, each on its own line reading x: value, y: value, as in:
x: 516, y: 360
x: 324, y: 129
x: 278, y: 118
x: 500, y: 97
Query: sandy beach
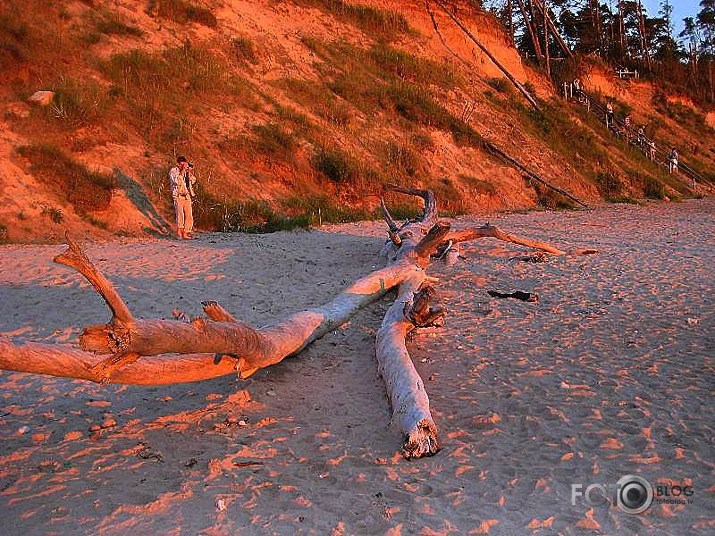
x: 610, y: 373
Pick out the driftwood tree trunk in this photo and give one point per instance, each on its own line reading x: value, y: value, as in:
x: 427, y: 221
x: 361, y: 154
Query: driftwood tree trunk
x: 207, y: 344
x: 154, y: 352
x: 408, y: 397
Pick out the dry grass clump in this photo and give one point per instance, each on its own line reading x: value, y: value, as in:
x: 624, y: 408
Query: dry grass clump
x: 268, y: 139
x: 244, y: 50
x: 70, y: 181
x: 159, y: 89
x: 478, y: 186
x: 255, y: 216
x: 182, y: 11
x: 379, y: 23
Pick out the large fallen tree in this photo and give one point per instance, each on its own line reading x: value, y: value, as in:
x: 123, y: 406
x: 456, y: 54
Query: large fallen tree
x: 154, y: 351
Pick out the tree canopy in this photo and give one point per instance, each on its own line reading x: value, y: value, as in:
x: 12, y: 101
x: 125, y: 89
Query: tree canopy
x: 622, y: 33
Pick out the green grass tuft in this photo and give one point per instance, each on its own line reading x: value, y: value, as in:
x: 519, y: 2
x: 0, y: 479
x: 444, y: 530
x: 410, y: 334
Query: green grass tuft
x: 416, y: 105
x: 564, y: 135
x: 680, y: 113
x: 272, y: 139
x: 623, y: 199
x: 259, y: 217
x: 448, y: 196
x: 110, y: 23
x: 502, y: 85
x: 14, y: 39
x: 155, y: 89
x: 338, y: 167
x: 653, y: 188
x: 402, y: 159
x: 76, y: 103
x: 268, y: 139
x: 346, y: 171
x: 551, y: 199
x: 316, y: 210
x: 410, y: 68
x: 55, y: 214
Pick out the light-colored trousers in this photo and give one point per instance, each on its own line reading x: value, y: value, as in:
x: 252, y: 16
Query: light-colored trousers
x: 184, y: 216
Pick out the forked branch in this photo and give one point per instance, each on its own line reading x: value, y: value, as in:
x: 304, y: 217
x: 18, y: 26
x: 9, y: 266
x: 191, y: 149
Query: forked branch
x: 429, y: 214
x: 75, y: 258
x: 472, y: 233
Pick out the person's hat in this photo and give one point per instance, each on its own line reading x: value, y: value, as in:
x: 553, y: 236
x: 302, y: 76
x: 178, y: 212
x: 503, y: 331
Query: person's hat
x: 181, y: 159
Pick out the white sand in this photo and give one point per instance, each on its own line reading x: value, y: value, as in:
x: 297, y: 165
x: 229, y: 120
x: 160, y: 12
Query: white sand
x: 609, y: 374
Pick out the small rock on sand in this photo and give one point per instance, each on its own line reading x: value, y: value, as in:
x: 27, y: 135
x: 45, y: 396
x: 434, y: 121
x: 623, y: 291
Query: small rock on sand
x: 42, y: 98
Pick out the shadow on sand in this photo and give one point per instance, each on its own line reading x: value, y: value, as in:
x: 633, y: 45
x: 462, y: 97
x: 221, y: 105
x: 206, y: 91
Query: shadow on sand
x: 160, y: 228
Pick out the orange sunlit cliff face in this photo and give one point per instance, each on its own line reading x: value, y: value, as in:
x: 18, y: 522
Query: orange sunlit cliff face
x: 299, y: 108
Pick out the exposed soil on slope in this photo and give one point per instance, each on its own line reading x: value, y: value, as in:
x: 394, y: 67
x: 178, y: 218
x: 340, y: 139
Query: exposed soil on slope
x: 257, y: 90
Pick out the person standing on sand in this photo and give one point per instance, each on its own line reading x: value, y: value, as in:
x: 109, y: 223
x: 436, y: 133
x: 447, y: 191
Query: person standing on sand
x: 652, y: 150
x: 182, y: 182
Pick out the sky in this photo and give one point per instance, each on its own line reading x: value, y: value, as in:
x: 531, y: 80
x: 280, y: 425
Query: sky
x: 681, y: 9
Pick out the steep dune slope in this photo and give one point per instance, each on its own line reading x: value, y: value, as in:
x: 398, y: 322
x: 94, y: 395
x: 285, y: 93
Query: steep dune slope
x: 303, y: 108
